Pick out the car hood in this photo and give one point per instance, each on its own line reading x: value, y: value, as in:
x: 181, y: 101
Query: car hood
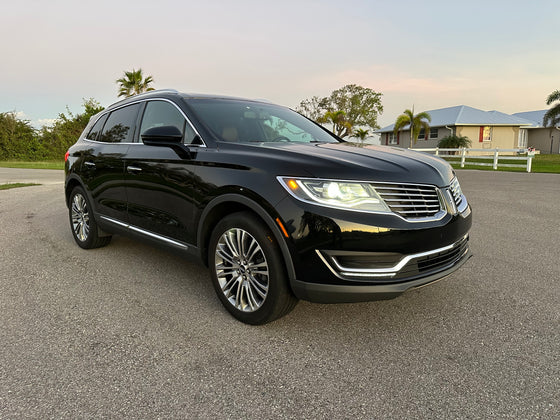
x: 371, y: 163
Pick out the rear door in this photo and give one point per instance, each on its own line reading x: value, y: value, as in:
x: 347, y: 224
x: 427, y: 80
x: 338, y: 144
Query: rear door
x: 103, y: 162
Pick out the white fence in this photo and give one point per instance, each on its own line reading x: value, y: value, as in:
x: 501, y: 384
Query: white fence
x: 465, y: 153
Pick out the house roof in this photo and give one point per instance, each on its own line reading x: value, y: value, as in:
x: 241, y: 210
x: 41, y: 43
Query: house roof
x: 536, y: 117
x: 466, y: 115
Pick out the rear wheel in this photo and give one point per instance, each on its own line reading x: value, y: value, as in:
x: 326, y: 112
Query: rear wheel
x: 82, y: 222
x: 247, y: 270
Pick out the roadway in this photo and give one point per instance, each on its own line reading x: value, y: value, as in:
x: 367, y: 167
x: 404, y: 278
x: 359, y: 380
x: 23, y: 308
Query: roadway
x: 134, y: 331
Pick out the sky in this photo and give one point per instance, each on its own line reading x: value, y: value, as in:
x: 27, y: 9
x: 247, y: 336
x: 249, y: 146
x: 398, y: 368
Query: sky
x: 492, y: 54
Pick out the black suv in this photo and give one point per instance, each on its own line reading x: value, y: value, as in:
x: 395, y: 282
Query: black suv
x: 278, y: 207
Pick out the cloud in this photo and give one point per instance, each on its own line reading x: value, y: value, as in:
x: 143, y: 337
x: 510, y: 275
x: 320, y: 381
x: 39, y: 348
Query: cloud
x: 390, y: 79
x: 44, y: 122
x: 441, y: 86
x: 37, y: 123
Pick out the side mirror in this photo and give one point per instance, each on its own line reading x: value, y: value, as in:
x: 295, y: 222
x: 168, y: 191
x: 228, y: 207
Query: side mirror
x: 166, y: 135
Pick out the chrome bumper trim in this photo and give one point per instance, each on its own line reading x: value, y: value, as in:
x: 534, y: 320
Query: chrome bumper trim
x: 388, y: 272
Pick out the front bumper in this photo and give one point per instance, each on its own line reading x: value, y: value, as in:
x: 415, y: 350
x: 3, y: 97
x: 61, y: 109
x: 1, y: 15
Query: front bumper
x: 336, y: 293
x: 350, y: 256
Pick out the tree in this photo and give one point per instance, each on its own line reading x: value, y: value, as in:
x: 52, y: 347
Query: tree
x: 552, y: 116
x: 454, y: 142
x: 67, y: 128
x: 415, y: 122
x: 313, y: 108
x: 134, y: 83
x: 18, y: 139
x: 361, y: 107
x: 341, y: 126
x: 361, y: 134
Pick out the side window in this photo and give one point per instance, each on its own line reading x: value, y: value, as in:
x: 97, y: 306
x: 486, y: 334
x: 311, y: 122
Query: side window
x: 119, y: 127
x: 96, y: 129
x: 160, y: 113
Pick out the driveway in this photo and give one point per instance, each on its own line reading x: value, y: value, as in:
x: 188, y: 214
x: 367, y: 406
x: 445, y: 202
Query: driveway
x: 132, y: 331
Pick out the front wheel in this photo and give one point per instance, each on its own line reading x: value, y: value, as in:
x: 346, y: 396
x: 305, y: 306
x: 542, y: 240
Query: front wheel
x: 247, y: 270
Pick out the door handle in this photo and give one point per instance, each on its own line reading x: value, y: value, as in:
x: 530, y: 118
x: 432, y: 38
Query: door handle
x: 133, y: 169
x: 90, y: 164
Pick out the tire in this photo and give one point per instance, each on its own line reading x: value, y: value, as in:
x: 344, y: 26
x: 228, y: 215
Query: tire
x: 82, y: 221
x: 247, y: 270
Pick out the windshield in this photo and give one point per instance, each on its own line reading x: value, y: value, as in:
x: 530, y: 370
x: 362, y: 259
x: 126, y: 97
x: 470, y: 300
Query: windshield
x: 245, y: 121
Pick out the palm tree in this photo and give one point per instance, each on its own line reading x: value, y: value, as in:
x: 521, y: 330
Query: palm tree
x: 134, y: 83
x: 416, y: 123
x: 454, y: 142
x: 552, y: 116
x: 341, y: 126
x: 361, y: 134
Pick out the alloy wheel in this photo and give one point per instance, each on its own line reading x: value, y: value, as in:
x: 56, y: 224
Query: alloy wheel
x: 80, y: 217
x: 242, y: 270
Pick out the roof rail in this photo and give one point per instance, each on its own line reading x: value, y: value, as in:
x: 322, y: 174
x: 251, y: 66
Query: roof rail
x: 160, y: 90
x: 144, y: 94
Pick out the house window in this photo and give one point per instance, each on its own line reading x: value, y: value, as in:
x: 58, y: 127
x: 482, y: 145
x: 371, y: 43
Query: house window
x: 392, y: 138
x: 433, y: 134
x: 485, y: 134
x: 522, y: 140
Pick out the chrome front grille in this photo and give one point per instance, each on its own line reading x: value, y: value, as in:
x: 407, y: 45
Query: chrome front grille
x: 455, y: 189
x: 409, y: 200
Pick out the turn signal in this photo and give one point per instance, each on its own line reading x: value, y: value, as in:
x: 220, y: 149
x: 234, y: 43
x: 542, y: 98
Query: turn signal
x: 293, y: 184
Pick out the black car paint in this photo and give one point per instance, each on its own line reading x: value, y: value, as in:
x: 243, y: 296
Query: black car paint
x: 181, y: 196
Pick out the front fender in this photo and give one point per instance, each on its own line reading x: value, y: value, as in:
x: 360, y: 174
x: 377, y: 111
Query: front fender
x: 245, y: 202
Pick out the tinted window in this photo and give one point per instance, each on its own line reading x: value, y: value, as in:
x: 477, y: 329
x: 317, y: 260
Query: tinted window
x: 160, y: 113
x: 120, y: 125
x: 245, y: 121
x: 96, y: 129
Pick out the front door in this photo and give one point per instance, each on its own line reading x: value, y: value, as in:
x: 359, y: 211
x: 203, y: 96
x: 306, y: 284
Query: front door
x: 159, y: 182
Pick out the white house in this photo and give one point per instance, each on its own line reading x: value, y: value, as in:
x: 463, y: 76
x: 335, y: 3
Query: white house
x: 485, y: 129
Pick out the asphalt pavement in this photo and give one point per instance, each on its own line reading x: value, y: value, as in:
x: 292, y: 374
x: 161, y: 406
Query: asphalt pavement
x: 36, y: 176
x: 132, y: 331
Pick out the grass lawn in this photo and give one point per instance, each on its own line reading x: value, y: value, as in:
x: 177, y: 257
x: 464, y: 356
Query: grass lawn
x: 15, y: 185
x: 541, y: 163
x: 49, y: 164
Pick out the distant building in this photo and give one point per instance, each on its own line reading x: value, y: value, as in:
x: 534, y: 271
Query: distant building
x: 545, y: 139
x: 485, y: 129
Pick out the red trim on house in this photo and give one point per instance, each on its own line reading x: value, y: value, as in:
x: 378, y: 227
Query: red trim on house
x: 481, y: 135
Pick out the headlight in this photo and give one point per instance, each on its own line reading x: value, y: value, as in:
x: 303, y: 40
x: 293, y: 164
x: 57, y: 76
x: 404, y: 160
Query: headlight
x: 359, y: 196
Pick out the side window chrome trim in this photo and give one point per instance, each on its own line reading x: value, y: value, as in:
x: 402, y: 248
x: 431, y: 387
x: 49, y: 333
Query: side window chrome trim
x: 107, y: 142
x: 146, y: 100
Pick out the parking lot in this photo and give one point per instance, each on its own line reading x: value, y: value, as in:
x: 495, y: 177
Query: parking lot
x: 134, y: 331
